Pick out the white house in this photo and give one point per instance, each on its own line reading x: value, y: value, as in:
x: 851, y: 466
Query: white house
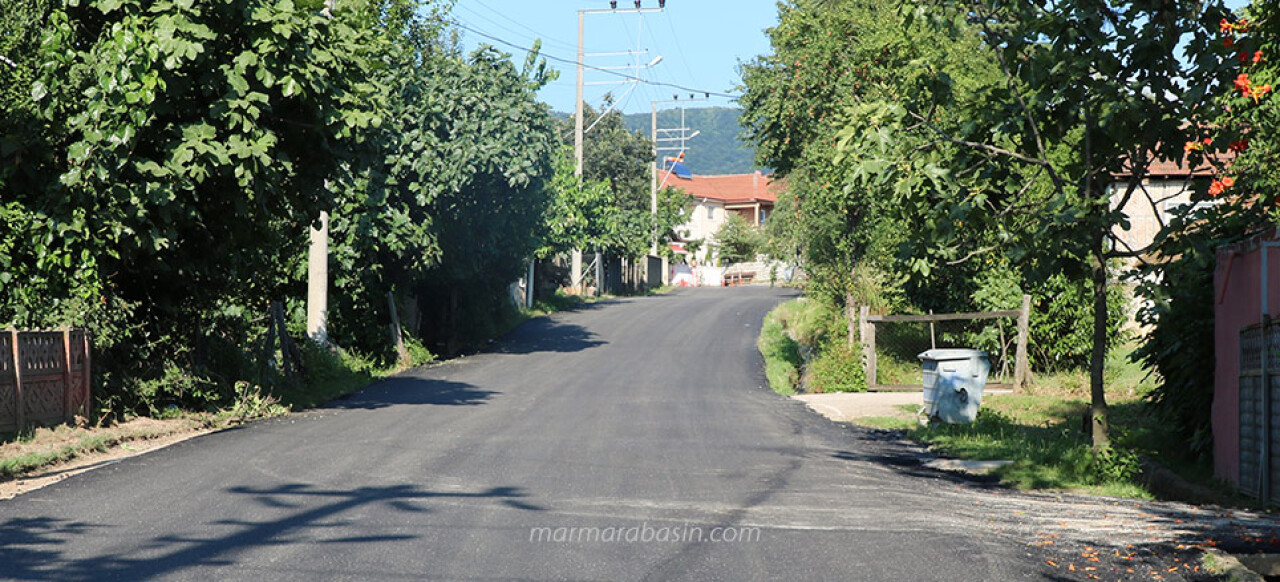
x: 712, y: 197
x: 1169, y: 186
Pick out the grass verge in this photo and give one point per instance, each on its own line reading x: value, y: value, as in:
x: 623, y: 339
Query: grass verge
x: 45, y: 447
x: 806, y: 349
x: 1042, y: 431
x: 781, y: 356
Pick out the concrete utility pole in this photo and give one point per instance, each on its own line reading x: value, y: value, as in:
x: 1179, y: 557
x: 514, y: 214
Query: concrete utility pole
x: 575, y: 267
x: 318, y: 264
x: 682, y: 137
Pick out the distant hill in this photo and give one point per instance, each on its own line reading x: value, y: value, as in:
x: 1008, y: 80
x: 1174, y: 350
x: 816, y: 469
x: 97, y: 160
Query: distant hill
x: 717, y: 150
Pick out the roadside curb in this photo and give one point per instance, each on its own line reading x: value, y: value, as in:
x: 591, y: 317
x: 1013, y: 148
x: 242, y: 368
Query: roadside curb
x: 1230, y: 568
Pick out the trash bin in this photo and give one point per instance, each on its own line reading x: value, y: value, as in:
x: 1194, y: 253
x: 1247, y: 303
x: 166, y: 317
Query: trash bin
x: 953, y: 381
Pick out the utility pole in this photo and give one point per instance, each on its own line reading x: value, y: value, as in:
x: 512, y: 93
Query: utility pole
x: 575, y: 273
x: 318, y: 264
x: 683, y: 137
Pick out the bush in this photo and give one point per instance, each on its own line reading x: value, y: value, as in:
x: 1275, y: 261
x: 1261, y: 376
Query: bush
x: 837, y: 368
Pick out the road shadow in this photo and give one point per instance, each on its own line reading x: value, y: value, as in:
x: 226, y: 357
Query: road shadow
x: 410, y: 390
x: 44, y: 548
x: 545, y: 334
x: 889, y: 448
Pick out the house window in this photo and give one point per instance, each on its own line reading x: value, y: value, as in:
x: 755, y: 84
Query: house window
x: 711, y: 212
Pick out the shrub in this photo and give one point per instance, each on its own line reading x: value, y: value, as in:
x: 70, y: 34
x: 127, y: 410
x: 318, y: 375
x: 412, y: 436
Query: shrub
x: 837, y: 368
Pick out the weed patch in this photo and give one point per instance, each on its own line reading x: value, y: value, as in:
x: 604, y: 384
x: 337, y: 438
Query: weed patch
x: 781, y: 356
x: 805, y: 349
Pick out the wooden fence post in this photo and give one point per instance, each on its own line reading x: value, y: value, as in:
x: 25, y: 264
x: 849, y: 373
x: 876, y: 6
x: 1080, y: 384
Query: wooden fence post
x: 868, y: 344
x: 17, y: 381
x: 1020, y: 367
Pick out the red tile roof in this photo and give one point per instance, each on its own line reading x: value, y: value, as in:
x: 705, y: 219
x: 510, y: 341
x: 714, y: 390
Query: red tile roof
x: 1181, y: 168
x: 729, y: 188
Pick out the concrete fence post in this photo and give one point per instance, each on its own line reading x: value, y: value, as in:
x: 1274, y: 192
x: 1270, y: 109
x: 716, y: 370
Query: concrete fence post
x: 1020, y: 366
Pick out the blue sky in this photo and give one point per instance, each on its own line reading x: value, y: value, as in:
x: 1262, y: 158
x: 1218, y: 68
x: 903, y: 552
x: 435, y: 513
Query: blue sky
x: 701, y: 43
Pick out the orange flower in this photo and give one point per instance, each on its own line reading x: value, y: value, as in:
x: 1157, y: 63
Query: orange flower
x: 1242, y: 82
x: 1257, y: 57
x: 1258, y: 92
x: 1208, y: 141
x: 1224, y: 26
x: 1216, y: 188
x: 1192, y: 146
x: 1228, y: 181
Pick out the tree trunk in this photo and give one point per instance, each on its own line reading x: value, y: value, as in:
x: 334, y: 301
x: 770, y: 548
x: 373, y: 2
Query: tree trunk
x: 1097, y: 361
x: 851, y: 317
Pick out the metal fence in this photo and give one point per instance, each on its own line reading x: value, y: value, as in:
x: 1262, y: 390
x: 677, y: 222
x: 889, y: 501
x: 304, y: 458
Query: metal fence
x: 44, y: 377
x: 1259, y: 418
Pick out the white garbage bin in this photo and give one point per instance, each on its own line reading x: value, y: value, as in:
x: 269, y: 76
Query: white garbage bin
x: 953, y: 382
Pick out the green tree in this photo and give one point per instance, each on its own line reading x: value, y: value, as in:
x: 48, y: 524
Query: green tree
x: 1178, y: 289
x: 738, y: 240
x: 1086, y: 91
x: 616, y: 155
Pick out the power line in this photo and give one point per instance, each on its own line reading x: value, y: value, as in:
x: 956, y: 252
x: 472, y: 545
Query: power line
x: 472, y: 15
x: 680, y: 49
x: 574, y: 62
x: 545, y: 38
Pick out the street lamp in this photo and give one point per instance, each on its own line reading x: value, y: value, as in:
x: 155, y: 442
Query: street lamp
x: 578, y: 130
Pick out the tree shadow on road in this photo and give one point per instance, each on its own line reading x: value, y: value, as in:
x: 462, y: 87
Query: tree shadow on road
x: 547, y: 335
x: 409, y: 390
x: 45, y: 548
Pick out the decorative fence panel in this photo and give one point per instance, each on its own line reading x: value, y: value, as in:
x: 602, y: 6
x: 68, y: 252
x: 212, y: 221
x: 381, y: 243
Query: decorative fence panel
x: 44, y: 377
x: 1259, y: 413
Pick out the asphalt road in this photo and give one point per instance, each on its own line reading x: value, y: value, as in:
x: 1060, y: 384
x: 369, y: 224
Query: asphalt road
x: 635, y: 436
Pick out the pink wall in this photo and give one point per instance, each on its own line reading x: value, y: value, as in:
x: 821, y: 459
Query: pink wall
x: 1237, y: 304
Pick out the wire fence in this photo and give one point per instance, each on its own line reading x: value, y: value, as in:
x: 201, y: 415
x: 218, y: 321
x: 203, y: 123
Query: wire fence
x: 892, y: 343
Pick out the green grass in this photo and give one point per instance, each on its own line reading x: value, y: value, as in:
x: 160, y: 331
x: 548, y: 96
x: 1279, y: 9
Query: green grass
x: 14, y: 466
x: 781, y: 356
x: 88, y: 441
x: 887, y: 422
x: 805, y: 348
x: 1052, y: 455
x: 1041, y: 431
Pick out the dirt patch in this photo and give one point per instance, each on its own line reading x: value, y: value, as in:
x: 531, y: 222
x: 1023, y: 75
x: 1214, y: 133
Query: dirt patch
x: 73, y: 450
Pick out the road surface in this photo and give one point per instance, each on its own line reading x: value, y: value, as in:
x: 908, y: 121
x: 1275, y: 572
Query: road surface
x: 632, y: 439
